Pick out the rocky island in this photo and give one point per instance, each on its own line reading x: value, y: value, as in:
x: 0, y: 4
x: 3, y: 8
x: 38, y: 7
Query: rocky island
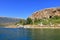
x: 48, y: 17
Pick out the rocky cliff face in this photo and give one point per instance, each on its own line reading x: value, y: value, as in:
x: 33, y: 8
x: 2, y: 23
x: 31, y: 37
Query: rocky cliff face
x: 46, y: 13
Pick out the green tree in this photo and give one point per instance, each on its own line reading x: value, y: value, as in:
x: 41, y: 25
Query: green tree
x: 22, y: 21
x: 29, y: 21
x: 36, y: 21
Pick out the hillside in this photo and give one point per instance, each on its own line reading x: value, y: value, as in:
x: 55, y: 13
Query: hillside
x: 46, y: 13
x: 48, y: 16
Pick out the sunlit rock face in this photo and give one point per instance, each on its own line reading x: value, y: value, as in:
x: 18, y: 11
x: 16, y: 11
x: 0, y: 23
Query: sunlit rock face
x: 46, y: 13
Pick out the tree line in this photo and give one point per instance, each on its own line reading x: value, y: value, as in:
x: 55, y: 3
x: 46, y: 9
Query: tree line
x: 46, y: 21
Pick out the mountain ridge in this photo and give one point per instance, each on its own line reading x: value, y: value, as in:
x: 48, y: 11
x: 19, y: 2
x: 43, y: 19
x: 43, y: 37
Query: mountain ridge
x: 8, y: 20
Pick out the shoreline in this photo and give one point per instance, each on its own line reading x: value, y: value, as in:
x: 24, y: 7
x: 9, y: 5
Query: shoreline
x: 39, y: 27
x: 44, y: 27
x: 32, y: 26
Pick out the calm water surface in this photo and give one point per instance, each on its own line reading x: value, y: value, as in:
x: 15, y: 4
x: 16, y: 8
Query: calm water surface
x: 29, y: 34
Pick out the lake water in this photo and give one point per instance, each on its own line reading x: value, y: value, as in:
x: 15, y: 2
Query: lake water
x: 29, y: 34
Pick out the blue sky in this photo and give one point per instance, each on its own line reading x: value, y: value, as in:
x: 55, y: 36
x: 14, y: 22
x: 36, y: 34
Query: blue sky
x: 24, y: 8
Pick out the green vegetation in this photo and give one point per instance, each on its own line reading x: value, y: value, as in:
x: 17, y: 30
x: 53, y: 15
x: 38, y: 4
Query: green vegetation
x: 22, y: 21
x: 53, y: 20
x: 29, y: 21
x: 44, y: 21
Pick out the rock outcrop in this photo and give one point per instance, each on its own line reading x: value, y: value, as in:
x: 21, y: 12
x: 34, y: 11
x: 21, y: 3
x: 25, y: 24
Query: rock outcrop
x: 46, y: 13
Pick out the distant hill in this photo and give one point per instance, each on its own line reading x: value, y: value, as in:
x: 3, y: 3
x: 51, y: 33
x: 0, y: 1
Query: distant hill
x: 7, y: 20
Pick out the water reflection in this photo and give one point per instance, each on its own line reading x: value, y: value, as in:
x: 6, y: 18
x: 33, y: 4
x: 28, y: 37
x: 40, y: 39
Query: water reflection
x: 29, y: 34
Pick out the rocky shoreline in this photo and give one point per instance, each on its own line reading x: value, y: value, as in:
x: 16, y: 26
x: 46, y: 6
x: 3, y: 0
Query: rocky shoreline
x: 32, y: 26
x: 37, y: 26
